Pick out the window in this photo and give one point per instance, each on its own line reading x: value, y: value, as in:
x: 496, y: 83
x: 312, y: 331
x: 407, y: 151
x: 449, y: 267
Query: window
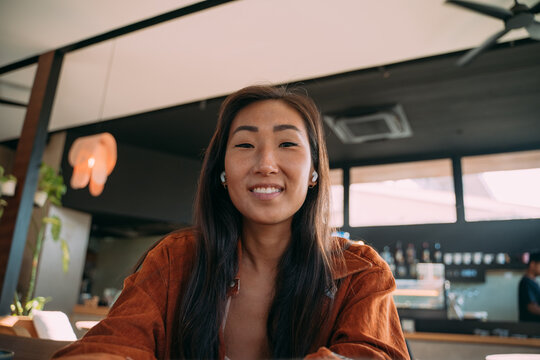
x: 418, y: 192
x: 501, y: 186
x: 336, y: 197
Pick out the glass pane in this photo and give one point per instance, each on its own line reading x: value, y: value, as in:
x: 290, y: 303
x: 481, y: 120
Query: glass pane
x: 502, y: 186
x: 336, y: 197
x: 15, y: 87
x: 418, y: 192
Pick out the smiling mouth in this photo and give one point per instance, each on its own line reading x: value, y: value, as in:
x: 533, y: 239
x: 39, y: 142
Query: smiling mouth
x: 266, y: 190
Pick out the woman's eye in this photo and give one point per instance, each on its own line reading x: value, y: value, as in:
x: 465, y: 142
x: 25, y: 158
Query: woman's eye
x: 244, y: 145
x: 288, y: 144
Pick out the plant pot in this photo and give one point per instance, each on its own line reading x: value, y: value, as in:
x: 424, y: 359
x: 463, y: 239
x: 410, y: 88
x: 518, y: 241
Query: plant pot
x: 8, y: 187
x: 18, y: 325
x: 40, y: 197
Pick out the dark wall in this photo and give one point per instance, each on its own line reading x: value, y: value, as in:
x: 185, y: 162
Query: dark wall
x: 145, y: 184
x: 510, y: 236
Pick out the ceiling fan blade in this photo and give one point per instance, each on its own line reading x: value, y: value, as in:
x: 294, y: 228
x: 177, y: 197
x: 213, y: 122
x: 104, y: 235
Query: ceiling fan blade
x: 536, y: 8
x: 465, y: 59
x: 534, y: 30
x: 497, y: 12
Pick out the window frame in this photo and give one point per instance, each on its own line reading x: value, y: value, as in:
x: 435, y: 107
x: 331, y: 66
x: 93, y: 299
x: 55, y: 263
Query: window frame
x: 456, y: 173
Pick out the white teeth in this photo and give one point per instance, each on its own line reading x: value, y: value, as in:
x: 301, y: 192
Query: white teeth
x: 269, y: 190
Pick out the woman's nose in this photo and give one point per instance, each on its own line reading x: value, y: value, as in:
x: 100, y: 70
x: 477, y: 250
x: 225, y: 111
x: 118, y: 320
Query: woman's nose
x: 266, y: 162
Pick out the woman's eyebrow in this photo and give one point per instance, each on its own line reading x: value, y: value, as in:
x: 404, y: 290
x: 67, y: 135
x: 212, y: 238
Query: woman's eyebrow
x: 285, y: 127
x: 247, y: 128
x: 256, y: 129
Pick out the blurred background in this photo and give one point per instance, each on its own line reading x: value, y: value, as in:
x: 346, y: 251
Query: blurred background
x: 435, y: 165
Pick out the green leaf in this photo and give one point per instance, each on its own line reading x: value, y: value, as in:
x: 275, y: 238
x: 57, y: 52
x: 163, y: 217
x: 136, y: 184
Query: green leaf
x: 16, y: 307
x: 37, y: 303
x: 52, y: 183
x: 56, y: 226
x: 65, y: 255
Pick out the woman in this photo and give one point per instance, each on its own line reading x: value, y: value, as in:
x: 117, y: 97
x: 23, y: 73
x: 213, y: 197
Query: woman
x: 258, y: 276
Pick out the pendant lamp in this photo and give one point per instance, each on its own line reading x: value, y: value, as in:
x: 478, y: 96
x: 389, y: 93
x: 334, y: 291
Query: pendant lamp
x: 93, y: 159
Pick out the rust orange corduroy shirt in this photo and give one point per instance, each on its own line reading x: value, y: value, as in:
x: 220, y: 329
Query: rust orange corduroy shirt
x: 363, y: 322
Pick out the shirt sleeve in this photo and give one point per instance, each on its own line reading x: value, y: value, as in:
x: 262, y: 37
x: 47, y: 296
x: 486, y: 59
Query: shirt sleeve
x: 530, y: 293
x: 368, y: 325
x: 134, y: 327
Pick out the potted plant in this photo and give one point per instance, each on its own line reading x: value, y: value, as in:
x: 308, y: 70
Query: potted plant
x: 7, y: 188
x: 7, y: 183
x: 52, y: 185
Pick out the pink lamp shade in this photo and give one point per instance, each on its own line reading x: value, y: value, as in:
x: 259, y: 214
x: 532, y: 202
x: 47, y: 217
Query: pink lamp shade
x: 93, y: 159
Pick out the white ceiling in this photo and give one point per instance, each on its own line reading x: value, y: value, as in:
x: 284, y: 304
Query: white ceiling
x: 217, y: 51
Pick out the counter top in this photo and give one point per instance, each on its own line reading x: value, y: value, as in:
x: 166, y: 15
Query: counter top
x: 91, y: 310
x: 477, y: 339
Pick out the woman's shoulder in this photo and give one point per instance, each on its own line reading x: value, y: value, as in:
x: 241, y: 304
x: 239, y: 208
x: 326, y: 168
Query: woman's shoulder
x: 181, y: 237
x: 176, y: 244
x: 360, y: 257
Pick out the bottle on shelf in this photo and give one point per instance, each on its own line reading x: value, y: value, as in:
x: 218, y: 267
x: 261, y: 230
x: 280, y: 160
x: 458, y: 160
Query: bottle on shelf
x: 399, y: 256
x: 411, y: 260
x: 401, y: 269
x: 387, y: 256
x: 426, y: 254
x: 437, y: 254
x: 411, y: 253
x: 412, y: 269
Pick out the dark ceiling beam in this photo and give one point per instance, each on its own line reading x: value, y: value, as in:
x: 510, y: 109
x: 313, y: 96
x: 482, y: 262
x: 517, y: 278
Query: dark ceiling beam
x: 16, y: 219
x: 171, y: 15
x: 19, y: 64
x: 11, y: 102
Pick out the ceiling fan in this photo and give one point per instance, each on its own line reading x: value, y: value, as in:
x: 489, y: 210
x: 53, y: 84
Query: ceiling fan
x: 517, y: 17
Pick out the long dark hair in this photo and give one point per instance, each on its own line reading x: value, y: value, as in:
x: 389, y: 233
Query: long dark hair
x: 304, y: 278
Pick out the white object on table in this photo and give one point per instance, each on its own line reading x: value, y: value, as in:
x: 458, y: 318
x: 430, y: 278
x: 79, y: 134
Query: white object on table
x: 513, y: 357
x: 53, y: 325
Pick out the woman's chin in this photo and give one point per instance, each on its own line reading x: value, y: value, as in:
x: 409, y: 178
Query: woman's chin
x: 267, y: 220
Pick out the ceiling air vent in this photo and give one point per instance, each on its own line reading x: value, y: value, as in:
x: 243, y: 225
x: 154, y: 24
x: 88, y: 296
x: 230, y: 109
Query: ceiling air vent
x: 387, y: 122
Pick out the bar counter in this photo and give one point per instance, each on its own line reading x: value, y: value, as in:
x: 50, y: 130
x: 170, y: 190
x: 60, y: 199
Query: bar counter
x: 474, y: 339
x: 93, y: 312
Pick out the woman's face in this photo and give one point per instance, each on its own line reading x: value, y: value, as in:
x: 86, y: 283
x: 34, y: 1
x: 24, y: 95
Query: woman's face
x: 268, y: 162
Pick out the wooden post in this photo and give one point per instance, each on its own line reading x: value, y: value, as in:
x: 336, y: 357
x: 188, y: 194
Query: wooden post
x: 16, y: 220
x: 458, y: 189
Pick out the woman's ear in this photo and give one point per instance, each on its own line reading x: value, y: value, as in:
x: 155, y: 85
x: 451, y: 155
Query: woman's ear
x: 313, y: 179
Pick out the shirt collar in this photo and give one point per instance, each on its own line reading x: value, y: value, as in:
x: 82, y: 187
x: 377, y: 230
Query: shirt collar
x: 352, y: 264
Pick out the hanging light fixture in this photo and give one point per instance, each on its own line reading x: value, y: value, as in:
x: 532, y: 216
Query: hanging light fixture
x: 93, y: 159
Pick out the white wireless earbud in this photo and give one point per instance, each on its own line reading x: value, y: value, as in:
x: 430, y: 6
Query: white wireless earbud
x: 222, y: 177
x: 314, y: 176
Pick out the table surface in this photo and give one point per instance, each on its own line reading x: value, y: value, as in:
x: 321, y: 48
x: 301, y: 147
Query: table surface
x: 477, y: 339
x: 27, y: 348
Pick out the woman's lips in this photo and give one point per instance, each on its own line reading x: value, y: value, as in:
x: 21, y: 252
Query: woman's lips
x: 266, y: 192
